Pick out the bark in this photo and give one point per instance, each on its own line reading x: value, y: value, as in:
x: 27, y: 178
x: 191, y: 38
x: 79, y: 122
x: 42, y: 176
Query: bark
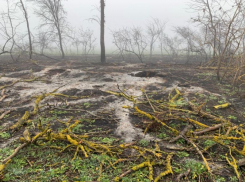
x: 102, y: 31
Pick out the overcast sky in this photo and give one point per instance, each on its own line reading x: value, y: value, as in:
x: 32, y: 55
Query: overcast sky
x: 130, y: 12
x: 123, y: 13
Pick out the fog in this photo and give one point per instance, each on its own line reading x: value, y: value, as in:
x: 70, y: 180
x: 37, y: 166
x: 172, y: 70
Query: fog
x: 119, y: 14
x: 128, y: 13
x: 119, y: 90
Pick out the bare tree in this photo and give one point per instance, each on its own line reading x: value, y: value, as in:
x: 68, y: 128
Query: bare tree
x: 170, y: 45
x: 137, y: 43
x: 154, y: 30
x: 162, y: 42
x: 43, y: 41
x: 187, y: 35
x: 119, y: 42
x: 194, y: 42
x: 23, y: 8
x: 84, y: 40
x: 53, y: 16
x: 75, y: 41
x: 132, y: 41
x: 8, y: 30
x: 87, y: 41
x: 225, y: 27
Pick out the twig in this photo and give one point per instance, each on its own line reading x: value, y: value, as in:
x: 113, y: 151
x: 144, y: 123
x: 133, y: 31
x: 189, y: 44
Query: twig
x: 207, y: 115
x: 198, y: 151
x: 149, y: 101
x: 182, y: 133
x: 15, y: 152
x: 18, y: 81
x: 121, y: 90
x: 98, y: 132
x: 182, y: 175
x: 125, y: 173
x: 4, y: 114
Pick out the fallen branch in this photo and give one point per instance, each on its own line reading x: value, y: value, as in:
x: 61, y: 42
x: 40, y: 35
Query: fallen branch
x: 17, y: 81
x: 207, y: 115
x: 15, y: 152
x: 199, y: 152
x: 168, y: 169
x: 155, y: 119
x: 149, y: 101
x: 208, y: 129
x: 175, y: 96
x: 25, y: 134
x: 4, y: 114
x: 233, y: 163
x: 171, y: 146
x: 150, y: 166
x: 25, y: 118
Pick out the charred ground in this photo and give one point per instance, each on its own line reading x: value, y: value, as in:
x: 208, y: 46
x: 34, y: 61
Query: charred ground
x: 107, y: 107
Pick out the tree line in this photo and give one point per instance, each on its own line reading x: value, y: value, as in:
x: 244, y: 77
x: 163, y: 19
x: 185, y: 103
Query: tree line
x: 218, y: 36
x: 54, y: 30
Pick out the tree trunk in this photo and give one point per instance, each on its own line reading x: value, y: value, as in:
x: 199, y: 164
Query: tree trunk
x: 151, y: 50
x: 218, y: 68
x: 60, y: 42
x: 102, y: 31
x: 28, y: 29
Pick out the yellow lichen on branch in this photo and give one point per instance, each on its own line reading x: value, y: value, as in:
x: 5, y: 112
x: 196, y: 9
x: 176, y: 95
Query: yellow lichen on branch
x: 196, y: 122
x: 40, y: 134
x: 233, y: 163
x: 222, y: 106
x: 242, y: 152
x: 142, y: 165
x: 148, y: 164
x: 84, y: 151
x: 223, y: 137
x: 21, y: 121
x: 150, y: 170
x: 120, y: 94
x: 175, y: 96
x: 74, y: 142
x: 201, y: 113
x: 2, y: 166
x: 168, y: 168
x: 154, y: 119
x: 17, y: 81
